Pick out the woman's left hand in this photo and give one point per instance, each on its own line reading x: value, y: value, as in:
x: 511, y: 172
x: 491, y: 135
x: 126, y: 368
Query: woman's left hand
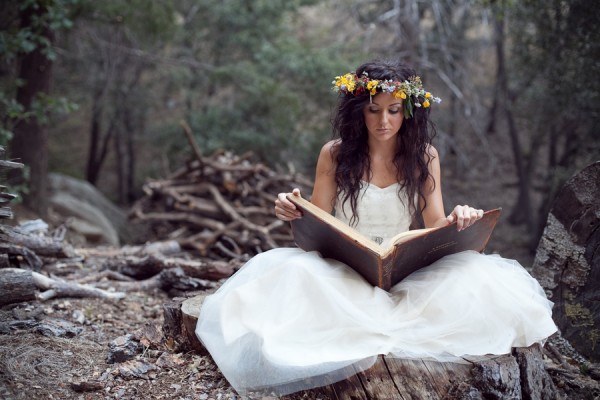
x: 464, y: 216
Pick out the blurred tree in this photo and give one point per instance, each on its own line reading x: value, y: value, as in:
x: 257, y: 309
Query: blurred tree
x: 550, y: 94
x: 117, y: 43
x: 27, y: 36
x: 440, y: 38
x: 234, y: 70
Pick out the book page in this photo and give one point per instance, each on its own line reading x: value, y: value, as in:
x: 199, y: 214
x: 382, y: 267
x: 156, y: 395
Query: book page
x: 405, y: 236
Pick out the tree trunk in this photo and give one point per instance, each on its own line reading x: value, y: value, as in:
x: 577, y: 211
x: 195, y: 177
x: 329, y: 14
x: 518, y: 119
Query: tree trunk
x: 567, y: 263
x: 30, y: 142
x: 522, y: 210
x: 98, y: 143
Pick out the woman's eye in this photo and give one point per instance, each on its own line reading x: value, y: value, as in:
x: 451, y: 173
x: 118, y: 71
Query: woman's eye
x: 395, y: 110
x: 373, y: 110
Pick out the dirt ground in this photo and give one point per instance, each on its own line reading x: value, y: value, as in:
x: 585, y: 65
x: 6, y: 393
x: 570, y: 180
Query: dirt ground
x: 74, y: 365
x: 35, y: 366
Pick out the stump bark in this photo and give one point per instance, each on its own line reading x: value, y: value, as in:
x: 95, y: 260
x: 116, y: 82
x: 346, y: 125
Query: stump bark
x: 567, y: 262
x: 16, y: 285
x: 520, y: 375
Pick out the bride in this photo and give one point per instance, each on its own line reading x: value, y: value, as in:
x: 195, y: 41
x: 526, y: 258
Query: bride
x: 290, y: 320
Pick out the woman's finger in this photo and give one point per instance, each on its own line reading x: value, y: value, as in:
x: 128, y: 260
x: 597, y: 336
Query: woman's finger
x: 284, y: 209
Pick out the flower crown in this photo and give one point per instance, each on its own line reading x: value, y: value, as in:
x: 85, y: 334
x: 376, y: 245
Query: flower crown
x: 411, y: 90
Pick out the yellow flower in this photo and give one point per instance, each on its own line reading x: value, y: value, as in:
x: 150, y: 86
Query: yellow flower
x: 426, y: 103
x: 372, y: 86
x: 349, y: 81
x: 427, y: 95
x: 399, y: 94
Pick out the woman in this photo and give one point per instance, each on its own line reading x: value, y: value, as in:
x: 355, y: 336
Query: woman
x: 290, y: 320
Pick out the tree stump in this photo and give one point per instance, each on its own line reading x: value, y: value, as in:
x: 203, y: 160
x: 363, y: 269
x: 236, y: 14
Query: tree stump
x: 567, y: 262
x: 521, y: 374
x: 179, y: 326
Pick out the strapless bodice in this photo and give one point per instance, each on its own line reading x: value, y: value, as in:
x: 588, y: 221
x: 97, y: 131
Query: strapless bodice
x: 381, y: 213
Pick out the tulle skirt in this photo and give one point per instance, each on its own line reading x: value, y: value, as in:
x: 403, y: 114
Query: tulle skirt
x: 290, y: 320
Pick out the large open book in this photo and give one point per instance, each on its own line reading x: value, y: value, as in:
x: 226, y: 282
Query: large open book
x: 320, y: 231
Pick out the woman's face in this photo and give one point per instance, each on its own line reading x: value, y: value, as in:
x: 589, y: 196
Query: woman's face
x: 383, y: 116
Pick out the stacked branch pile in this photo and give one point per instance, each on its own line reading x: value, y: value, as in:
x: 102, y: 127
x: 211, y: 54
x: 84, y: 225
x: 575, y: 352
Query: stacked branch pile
x: 220, y: 206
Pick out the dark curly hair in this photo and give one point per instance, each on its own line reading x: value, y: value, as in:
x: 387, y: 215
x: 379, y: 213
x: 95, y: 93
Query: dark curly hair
x: 351, y: 151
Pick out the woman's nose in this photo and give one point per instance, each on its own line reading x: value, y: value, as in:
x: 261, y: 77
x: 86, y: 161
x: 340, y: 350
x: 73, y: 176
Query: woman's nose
x: 384, y: 117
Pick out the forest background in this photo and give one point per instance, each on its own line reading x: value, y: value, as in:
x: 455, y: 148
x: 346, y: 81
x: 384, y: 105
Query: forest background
x: 97, y: 89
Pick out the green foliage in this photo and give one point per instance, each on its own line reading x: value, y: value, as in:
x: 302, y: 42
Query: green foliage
x: 147, y: 21
x: 265, y: 90
x: 15, y: 39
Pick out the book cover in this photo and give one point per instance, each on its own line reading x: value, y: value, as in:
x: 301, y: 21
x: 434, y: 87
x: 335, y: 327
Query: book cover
x: 320, y: 231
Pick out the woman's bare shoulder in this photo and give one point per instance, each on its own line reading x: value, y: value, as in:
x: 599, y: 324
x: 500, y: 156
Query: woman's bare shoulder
x: 431, y: 152
x: 331, y: 146
x: 329, y: 151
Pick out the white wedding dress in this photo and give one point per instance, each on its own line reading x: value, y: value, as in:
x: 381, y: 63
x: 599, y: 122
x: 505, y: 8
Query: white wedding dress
x: 290, y: 320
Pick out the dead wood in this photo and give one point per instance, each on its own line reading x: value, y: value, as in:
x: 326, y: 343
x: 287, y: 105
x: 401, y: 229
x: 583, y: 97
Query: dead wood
x: 41, y: 245
x: 59, y: 288
x: 16, y: 285
x: 167, y: 279
x: 219, y: 205
x: 5, y: 198
x: 16, y: 254
x: 161, y: 248
x: 180, y: 318
x: 150, y: 265
x: 190, y: 137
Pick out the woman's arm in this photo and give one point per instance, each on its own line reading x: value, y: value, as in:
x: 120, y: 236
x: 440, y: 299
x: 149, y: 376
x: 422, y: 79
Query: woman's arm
x: 433, y: 214
x: 324, y: 190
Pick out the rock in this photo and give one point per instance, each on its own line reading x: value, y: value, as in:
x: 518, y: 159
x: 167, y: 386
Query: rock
x: 123, y: 348
x: 87, y: 386
x: 85, y: 214
x: 87, y: 193
x: 57, y: 328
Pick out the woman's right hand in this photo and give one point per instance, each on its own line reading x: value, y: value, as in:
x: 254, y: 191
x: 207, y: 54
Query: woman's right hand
x: 285, y: 210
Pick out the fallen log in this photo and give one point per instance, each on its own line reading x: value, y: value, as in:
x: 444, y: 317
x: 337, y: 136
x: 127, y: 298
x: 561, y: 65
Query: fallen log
x: 42, y: 246
x: 161, y: 247
x: 18, y: 285
x: 16, y: 254
x: 150, y: 265
x: 59, y: 288
x: 172, y: 278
